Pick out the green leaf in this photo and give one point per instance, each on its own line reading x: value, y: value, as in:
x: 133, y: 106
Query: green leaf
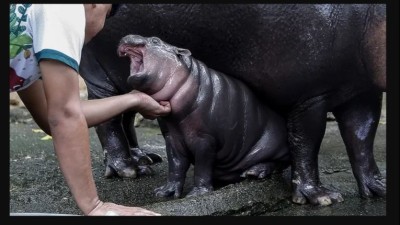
x: 21, y: 40
x: 13, y: 22
x: 12, y: 7
x: 13, y: 16
x: 18, y: 44
x: 27, y: 5
x: 21, y: 29
x: 45, y: 138
x: 26, y: 47
x: 12, y: 36
x: 13, y: 29
x: 14, y: 50
x: 24, y: 17
x: 21, y: 9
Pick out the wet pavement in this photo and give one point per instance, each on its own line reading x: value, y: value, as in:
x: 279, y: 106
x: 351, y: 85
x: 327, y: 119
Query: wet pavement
x: 37, y: 185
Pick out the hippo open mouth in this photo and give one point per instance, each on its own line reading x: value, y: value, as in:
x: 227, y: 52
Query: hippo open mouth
x: 135, y: 54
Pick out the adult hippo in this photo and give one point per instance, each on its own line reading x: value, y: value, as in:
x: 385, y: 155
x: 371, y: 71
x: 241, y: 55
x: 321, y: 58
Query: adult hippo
x: 250, y: 141
x: 303, y: 60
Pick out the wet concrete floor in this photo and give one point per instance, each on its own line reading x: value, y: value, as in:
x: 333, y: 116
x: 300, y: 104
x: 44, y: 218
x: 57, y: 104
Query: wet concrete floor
x: 37, y: 185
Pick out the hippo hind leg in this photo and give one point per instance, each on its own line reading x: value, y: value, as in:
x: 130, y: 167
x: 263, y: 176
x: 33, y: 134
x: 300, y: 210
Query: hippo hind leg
x: 358, y: 121
x: 264, y: 169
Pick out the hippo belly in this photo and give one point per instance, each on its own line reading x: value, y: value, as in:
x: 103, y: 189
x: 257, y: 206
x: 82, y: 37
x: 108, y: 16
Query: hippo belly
x: 228, y: 133
x: 216, y: 122
x: 245, y: 131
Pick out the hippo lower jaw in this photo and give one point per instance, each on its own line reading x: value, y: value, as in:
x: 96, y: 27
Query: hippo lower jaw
x: 138, y: 82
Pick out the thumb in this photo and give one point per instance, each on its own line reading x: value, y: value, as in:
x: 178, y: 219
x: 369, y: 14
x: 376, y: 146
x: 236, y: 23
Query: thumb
x: 135, y: 91
x: 164, y: 103
x: 166, y: 106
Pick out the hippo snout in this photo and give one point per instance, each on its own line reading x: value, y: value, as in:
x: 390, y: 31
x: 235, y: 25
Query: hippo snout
x: 133, y: 40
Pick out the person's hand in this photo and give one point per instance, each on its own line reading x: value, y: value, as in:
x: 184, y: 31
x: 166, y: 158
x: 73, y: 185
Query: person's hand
x: 111, y: 209
x: 150, y: 108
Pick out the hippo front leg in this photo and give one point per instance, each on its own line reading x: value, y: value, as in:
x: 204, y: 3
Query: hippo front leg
x: 358, y: 121
x: 306, y: 128
x: 205, y: 154
x: 178, y: 164
x: 177, y: 168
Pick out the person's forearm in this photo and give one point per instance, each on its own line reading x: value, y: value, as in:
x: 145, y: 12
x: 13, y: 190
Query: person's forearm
x: 71, y: 143
x: 100, y: 110
x: 96, y: 111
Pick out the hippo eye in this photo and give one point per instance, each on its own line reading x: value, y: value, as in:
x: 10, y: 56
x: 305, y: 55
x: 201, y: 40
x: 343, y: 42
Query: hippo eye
x: 155, y: 40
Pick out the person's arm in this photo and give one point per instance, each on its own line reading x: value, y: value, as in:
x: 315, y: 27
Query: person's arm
x: 99, y: 110
x: 96, y: 111
x: 71, y: 139
x: 34, y: 99
x: 69, y: 131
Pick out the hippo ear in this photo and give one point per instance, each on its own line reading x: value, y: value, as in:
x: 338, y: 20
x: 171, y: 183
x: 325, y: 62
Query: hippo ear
x: 182, y: 51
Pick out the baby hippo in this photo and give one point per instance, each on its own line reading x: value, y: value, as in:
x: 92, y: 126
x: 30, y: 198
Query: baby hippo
x: 216, y: 123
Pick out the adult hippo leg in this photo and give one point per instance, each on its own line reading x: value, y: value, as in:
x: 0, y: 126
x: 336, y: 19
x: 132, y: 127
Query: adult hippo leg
x: 306, y: 128
x: 118, y: 160
x: 358, y: 121
x: 143, y: 159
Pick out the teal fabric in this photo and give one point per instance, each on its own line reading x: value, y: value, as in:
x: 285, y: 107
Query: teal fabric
x: 56, y: 55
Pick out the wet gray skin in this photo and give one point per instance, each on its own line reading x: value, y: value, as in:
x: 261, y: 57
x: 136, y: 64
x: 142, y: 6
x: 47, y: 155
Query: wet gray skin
x: 216, y: 122
x: 303, y: 60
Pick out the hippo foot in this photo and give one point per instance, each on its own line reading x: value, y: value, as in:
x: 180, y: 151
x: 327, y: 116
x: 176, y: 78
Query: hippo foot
x: 196, y: 191
x: 120, y: 168
x: 143, y: 158
x: 373, y: 186
x: 128, y: 172
x: 260, y: 171
x: 156, y: 158
x: 145, y: 171
x: 170, y: 189
x: 316, y: 195
x: 138, y: 164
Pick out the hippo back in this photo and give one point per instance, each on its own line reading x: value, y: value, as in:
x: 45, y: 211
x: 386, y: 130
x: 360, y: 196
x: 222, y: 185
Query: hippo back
x: 305, y: 48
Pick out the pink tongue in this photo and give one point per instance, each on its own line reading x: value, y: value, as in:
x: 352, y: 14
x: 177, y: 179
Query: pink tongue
x: 135, y: 64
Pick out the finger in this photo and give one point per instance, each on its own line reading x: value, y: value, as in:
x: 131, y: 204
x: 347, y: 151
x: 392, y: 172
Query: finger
x: 144, y: 212
x: 165, y: 103
x: 151, y: 214
x: 135, y: 91
x: 166, y: 108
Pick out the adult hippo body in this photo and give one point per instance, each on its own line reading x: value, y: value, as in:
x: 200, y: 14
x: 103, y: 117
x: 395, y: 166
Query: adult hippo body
x: 303, y: 60
x: 249, y: 141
